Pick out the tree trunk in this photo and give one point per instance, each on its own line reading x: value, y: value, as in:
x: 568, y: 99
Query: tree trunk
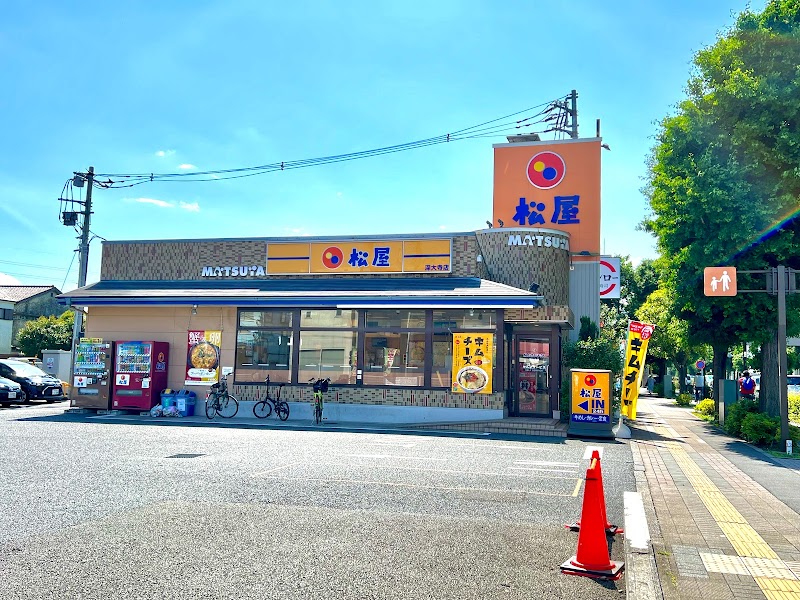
x: 719, y: 363
x: 769, y: 399
x: 683, y: 369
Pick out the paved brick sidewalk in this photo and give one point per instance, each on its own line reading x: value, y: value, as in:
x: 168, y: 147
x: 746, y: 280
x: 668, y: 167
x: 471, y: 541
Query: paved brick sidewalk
x: 716, y: 532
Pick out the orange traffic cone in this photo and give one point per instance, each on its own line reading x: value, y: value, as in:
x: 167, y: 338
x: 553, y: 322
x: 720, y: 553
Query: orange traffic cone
x: 592, y: 558
x: 610, y: 529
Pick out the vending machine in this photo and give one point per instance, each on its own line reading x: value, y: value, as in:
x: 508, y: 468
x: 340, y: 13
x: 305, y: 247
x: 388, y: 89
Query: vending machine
x: 91, y: 374
x: 140, y: 374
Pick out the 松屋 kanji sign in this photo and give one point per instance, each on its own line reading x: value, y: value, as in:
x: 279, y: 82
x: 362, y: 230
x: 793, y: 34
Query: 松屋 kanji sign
x: 719, y: 281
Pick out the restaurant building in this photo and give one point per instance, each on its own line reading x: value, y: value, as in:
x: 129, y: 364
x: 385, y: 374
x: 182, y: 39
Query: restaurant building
x: 413, y: 328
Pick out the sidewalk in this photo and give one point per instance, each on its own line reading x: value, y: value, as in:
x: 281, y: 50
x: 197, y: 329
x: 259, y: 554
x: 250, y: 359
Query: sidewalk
x: 723, y: 515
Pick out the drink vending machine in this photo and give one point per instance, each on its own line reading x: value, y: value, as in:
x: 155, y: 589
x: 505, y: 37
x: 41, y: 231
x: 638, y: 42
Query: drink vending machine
x: 91, y: 374
x: 140, y: 374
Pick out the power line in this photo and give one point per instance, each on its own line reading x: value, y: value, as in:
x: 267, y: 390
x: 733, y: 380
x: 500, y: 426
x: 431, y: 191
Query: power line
x: 489, y: 128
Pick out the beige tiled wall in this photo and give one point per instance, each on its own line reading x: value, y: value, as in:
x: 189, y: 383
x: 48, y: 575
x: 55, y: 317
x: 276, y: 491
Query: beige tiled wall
x: 170, y: 324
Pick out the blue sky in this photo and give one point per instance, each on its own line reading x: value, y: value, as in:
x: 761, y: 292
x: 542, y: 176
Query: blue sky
x: 188, y: 86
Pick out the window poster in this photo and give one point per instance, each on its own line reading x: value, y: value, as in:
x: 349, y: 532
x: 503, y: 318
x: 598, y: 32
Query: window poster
x: 202, y: 357
x: 472, y: 363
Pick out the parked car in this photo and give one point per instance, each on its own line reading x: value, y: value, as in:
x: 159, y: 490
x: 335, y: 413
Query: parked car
x: 793, y: 383
x: 34, y: 382
x: 10, y: 392
x: 31, y: 360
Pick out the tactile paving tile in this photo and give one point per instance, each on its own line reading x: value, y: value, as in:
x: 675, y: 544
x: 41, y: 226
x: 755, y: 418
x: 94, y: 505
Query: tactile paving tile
x: 779, y: 589
x: 794, y: 566
x: 722, y: 563
x: 771, y: 569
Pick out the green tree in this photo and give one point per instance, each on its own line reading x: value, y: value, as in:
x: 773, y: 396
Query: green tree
x: 46, y: 333
x: 723, y: 177
x: 636, y: 283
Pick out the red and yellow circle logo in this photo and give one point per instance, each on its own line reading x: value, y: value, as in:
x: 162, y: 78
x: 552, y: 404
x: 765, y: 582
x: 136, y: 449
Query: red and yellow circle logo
x: 332, y: 257
x: 590, y: 380
x: 546, y: 170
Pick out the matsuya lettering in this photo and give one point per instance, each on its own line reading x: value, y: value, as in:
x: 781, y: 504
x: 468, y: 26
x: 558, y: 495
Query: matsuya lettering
x: 234, y: 271
x: 565, y: 211
x: 546, y: 241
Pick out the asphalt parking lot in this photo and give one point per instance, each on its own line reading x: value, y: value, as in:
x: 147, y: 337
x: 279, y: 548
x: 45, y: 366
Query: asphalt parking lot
x: 98, y: 509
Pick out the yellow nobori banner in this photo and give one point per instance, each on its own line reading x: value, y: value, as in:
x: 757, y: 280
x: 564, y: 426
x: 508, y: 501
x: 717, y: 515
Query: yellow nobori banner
x: 639, y: 335
x: 358, y: 256
x: 472, y: 363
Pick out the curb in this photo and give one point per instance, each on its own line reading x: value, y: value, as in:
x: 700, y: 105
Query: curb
x: 641, y: 579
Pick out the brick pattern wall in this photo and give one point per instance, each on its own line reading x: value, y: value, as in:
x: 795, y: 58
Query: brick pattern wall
x: 519, y: 266
x: 380, y: 397
x: 184, y: 261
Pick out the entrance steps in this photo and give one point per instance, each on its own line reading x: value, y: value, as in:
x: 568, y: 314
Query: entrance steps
x: 508, y: 426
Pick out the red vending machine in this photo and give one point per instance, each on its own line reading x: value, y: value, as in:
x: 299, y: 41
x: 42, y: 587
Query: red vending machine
x: 140, y: 374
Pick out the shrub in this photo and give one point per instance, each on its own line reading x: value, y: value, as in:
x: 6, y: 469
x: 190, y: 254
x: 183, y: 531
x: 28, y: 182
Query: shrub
x: 736, y: 414
x: 706, y: 408
x: 794, y: 406
x: 761, y: 429
x: 684, y: 400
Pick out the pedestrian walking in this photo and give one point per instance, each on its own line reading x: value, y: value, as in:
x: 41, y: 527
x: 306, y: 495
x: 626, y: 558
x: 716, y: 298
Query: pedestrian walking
x: 699, y: 386
x: 651, y: 384
x: 747, y: 386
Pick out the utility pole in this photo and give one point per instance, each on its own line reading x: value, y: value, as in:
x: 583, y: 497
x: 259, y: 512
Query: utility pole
x: 782, y: 363
x: 573, y: 110
x: 84, y: 252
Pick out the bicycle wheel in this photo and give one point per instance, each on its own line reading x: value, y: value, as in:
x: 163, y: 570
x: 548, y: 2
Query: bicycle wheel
x: 282, y: 410
x: 228, y: 407
x: 211, y: 409
x: 262, y: 409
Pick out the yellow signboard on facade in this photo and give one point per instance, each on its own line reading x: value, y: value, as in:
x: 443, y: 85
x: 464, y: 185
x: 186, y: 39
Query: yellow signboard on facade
x: 472, y: 363
x: 359, y: 256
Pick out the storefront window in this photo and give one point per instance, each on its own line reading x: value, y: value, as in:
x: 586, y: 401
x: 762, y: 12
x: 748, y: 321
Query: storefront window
x: 394, y: 358
x: 263, y: 352
x: 391, y: 319
x: 329, y: 354
x: 328, y: 318
x: 265, y: 318
x: 442, y: 368
x: 458, y: 320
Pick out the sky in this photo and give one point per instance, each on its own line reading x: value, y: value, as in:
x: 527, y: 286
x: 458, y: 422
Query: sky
x: 179, y: 87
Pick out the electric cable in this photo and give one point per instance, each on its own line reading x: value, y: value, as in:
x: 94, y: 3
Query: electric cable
x: 485, y: 129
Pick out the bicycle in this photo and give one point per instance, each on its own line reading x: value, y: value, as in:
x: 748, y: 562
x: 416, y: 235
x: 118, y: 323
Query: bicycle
x: 320, y: 386
x: 220, y: 402
x: 263, y: 408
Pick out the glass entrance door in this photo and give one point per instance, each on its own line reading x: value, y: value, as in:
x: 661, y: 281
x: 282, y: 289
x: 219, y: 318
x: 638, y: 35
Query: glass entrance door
x: 532, y: 377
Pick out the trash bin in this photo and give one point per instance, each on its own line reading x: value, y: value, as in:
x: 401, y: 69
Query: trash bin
x: 167, y: 398
x: 186, y: 400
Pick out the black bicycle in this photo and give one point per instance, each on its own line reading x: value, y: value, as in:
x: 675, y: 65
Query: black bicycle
x: 320, y: 386
x: 263, y: 408
x: 220, y: 402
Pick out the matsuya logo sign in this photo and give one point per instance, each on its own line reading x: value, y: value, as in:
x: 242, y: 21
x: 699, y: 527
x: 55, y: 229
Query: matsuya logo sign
x: 550, y: 184
x: 546, y: 170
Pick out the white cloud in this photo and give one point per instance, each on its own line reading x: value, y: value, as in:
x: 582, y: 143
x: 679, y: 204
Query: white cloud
x: 9, y: 280
x: 163, y: 153
x: 186, y: 166
x: 161, y: 203
x: 189, y: 206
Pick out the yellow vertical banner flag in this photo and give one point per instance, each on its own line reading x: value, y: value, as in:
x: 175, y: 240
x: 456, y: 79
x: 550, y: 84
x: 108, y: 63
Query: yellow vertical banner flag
x: 639, y: 335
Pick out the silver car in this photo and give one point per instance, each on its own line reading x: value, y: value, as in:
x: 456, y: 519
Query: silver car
x: 10, y: 392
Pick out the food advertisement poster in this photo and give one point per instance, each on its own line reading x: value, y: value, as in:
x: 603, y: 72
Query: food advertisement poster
x: 202, y: 357
x: 472, y: 363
